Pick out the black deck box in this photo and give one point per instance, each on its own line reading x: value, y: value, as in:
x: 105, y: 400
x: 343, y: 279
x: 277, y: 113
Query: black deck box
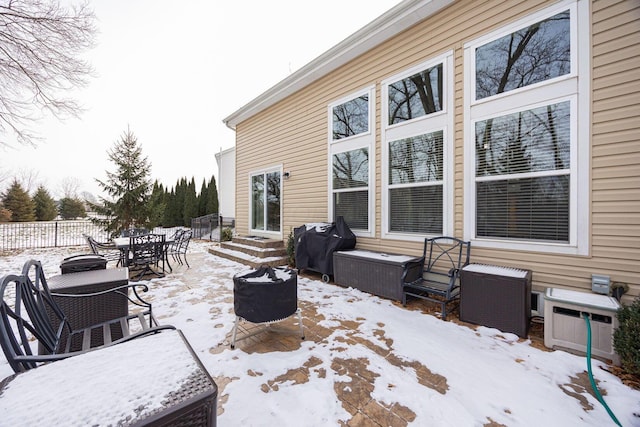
x: 86, y: 262
x: 374, y: 272
x: 497, y: 297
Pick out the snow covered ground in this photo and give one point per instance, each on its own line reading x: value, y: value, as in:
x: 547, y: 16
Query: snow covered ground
x: 480, y: 376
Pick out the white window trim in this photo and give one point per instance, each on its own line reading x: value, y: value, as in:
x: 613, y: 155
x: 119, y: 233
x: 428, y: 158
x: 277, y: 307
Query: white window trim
x: 362, y: 140
x: 442, y: 120
x: 577, y: 88
x: 266, y: 233
x: 518, y: 25
x: 370, y: 91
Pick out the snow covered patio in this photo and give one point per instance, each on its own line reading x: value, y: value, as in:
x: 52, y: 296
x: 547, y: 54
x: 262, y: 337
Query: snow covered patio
x: 365, y: 361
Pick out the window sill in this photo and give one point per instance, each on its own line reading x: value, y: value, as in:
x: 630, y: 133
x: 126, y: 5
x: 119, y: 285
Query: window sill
x: 531, y: 246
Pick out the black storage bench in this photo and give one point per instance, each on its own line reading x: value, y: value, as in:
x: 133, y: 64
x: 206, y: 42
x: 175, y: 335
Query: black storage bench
x: 375, y: 272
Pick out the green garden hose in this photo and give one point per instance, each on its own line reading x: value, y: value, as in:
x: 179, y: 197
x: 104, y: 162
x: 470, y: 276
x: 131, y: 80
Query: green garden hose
x: 593, y: 382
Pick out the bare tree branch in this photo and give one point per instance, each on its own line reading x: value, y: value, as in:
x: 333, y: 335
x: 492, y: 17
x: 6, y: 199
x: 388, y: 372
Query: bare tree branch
x: 41, y: 47
x: 70, y: 187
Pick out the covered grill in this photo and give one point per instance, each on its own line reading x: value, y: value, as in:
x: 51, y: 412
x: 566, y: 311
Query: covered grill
x: 315, y: 244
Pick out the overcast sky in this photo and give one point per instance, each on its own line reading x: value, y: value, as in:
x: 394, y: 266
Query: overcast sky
x: 171, y: 71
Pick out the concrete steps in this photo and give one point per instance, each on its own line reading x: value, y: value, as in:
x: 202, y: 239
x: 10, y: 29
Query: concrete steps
x: 253, y: 251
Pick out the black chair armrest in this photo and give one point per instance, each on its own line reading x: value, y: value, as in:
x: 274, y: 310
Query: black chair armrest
x: 148, y: 327
x: 145, y: 332
x: 45, y: 358
x: 412, y: 271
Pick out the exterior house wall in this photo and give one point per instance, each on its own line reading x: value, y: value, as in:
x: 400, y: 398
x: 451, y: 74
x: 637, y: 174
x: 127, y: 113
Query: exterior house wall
x: 293, y: 133
x: 226, y: 161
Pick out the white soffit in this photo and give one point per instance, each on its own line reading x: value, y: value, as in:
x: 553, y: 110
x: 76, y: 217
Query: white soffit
x: 396, y: 20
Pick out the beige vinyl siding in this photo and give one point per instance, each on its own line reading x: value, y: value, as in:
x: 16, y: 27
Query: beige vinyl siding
x: 615, y: 144
x: 294, y: 133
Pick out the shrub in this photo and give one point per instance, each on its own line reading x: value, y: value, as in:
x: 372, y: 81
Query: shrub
x: 626, y: 338
x: 226, y: 235
x: 5, y: 215
x: 291, y: 250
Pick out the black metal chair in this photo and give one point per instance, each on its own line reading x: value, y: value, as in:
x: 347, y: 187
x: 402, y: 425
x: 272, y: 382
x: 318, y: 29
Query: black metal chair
x: 145, y: 251
x: 29, y: 315
x: 436, y: 275
x: 107, y: 250
x: 172, y: 245
x: 178, y: 249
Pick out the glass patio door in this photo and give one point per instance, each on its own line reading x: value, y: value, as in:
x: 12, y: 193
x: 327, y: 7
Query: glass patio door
x: 266, y: 192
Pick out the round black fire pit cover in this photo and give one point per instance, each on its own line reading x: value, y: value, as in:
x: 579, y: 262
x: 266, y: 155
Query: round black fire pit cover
x: 266, y: 294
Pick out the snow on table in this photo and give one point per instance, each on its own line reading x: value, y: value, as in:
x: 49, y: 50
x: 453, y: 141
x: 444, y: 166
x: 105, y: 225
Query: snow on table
x: 102, y: 387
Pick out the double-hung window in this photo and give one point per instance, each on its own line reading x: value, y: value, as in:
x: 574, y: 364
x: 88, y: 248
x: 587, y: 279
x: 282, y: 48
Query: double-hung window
x: 351, y: 150
x: 527, y: 133
x: 417, y: 147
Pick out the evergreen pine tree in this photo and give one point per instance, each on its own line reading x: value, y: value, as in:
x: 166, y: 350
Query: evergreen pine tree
x: 178, y: 212
x: 18, y: 201
x: 46, y: 209
x: 202, y: 199
x: 212, y: 197
x: 169, y: 208
x: 157, y: 205
x: 128, y: 188
x: 72, y: 208
x: 190, y: 203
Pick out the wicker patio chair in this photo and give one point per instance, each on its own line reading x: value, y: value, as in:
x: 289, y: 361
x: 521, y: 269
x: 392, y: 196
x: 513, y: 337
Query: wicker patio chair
x: 29, y: 313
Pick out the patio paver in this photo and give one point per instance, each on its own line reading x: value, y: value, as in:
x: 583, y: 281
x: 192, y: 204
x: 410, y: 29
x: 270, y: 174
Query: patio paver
x: 354, y: 395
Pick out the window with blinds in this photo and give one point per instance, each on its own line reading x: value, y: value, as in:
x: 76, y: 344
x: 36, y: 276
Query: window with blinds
x: 351, y: 142
x: 415, y: 184
x: 523, y: 174
x: 351, y: 187
x: 524, y: 105
x: 416, y: 140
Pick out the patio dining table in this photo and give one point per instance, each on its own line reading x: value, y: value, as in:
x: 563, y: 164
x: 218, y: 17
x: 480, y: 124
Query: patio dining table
x: 123, y: 243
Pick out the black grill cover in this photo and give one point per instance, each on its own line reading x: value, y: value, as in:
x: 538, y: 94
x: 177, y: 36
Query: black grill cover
x: 78, y: 263
x: 266, y: 294
x: 314, y: 246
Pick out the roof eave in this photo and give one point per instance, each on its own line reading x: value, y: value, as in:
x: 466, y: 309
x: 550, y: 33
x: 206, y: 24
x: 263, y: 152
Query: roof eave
x: 399, y: 18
